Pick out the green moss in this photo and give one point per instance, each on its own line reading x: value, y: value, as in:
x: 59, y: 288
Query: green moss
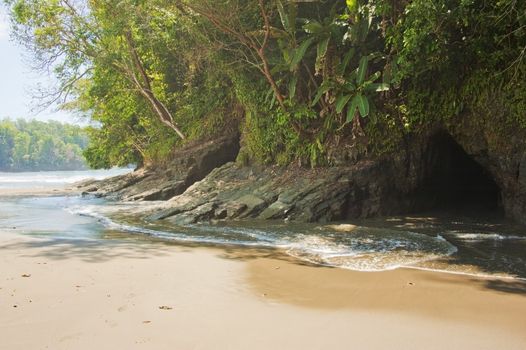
x: 386, y: 133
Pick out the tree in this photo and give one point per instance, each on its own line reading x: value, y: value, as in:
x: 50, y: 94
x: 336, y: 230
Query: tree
x: 7, y: 140
x: 34, y: 145
x: 74, y: 37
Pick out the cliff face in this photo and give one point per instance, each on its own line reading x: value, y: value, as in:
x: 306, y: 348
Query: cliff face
x: 501, y: 152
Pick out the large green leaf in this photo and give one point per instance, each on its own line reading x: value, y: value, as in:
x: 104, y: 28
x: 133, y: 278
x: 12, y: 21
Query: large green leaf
x: 350, y: 87
x: 351, y: 111
x: 341, y: 102
x: 362, y: 70
x: 300, y: 52
x: 283, y: 16
x: 363, y: 105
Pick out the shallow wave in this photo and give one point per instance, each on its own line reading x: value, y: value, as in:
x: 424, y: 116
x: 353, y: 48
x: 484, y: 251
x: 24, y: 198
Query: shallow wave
x: 364, y: 249
x: 371, y: 249
x: 47, y: 178
x: 165, y: 235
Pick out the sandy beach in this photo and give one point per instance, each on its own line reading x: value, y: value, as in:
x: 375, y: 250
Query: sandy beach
x: 132, y: 294
x: 40, y: 192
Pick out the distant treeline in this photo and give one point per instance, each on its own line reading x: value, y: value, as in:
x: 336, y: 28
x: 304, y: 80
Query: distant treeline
x: 34, y: 145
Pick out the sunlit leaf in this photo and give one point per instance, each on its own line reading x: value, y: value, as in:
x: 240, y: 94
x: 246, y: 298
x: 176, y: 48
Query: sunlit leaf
x: 352, y: 5
x: 378, y: 87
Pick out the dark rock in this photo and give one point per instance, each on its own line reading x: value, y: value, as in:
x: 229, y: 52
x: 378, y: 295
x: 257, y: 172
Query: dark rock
x: 277, y: 210
x: 162, y: 182
x: 235, y: 192
x: 251, y: 203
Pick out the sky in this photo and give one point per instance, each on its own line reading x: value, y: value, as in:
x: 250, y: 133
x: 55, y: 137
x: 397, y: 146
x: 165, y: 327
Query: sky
x: 17, y: 80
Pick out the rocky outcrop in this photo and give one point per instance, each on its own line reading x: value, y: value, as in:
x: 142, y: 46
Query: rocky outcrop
x: 163, y: 182
x: 437, y: 169
x: 297, y: 194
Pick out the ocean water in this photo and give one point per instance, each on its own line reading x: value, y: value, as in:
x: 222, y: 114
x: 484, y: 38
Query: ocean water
x: 47, y: 179
x: 447, y: 243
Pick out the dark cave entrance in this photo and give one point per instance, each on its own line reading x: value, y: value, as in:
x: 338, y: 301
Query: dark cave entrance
x: 455, y: 182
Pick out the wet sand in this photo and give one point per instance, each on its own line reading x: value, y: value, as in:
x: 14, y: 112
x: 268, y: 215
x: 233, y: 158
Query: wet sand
x: 39, y: 192
x: 131, y: 294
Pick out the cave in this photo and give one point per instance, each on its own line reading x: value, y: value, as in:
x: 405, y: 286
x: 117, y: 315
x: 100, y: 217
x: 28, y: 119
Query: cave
x: 453, y: 181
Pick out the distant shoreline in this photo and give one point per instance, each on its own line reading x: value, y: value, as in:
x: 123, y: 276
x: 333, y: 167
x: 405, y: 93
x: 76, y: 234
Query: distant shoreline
x: 41, y: 171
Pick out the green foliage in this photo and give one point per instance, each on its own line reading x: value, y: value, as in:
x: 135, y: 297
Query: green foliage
x: 443, y: 47
x: 35, y: 146
x: 269, y: 133
x: 301, y: 80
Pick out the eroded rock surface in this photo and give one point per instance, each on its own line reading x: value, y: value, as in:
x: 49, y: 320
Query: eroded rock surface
x: 203, y: 184
x: 163, y: 182
x: 297, y: 194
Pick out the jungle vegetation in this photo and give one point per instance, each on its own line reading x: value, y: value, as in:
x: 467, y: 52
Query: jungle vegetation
x: 35, y: 146
x: 302, y: 81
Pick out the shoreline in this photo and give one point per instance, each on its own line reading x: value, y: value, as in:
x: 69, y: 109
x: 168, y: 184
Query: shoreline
x: 51, y: 191
x: 73, y: 190
x: 111, y: 294
x: 39, y: 192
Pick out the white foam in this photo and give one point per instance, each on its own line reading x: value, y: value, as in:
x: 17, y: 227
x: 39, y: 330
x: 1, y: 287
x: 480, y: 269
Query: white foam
x: 367, y: 249
x: 487, y: 236
x: 48, y: 178
x: 171, y: 236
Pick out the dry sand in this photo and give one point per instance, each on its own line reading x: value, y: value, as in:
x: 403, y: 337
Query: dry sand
x: 136, y: 295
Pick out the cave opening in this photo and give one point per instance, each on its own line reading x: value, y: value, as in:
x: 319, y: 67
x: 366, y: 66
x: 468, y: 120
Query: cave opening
x: 455, y: 182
